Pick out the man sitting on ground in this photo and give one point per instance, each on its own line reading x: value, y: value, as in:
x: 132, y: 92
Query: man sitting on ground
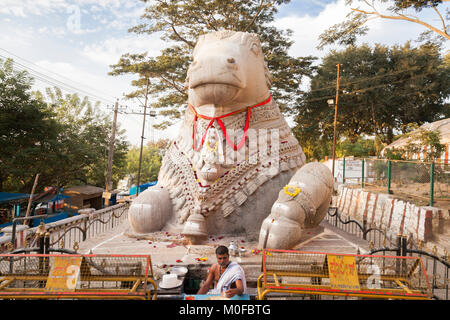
x: 228, y: 276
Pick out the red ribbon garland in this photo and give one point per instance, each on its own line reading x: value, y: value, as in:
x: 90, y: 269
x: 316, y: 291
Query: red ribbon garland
x: 222, y: 126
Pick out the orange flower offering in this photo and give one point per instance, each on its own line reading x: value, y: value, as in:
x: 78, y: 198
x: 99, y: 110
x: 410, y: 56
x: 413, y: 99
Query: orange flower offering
x: 201, y: 259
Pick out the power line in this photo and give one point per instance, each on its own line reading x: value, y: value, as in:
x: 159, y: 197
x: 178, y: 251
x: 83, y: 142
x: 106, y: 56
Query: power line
x: 55, y: 82
x: 372, y: 87
x: 345, y: 83
x: 61, y: 76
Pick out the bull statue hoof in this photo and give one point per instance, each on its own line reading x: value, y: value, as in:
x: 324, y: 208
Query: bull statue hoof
x: 302, y: 204
x: 150, y: 210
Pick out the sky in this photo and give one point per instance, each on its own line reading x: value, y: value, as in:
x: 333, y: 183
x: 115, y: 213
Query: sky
x: 72, y: 44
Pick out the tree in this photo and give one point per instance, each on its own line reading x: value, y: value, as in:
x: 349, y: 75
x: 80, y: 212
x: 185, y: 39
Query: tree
x: 381, y: 91
x: 152, y: 155
x: 182, y: 22
x: 28, y: 131
x: 64, y: 138
x: 84, y: 142
x: 360, y: 148
x: 346, y: 32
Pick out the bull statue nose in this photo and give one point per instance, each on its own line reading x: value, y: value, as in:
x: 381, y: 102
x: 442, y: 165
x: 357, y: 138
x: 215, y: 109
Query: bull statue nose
x: 231, y: 60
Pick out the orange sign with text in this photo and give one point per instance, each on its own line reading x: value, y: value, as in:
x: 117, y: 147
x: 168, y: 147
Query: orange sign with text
x: 343, y: 272
x: 64, y: 274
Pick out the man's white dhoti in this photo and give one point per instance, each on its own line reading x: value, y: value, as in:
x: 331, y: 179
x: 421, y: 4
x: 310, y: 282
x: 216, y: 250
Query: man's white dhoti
x: 232, y: 273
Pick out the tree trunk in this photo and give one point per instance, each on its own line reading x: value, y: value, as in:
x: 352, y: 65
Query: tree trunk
x: 389, y: 135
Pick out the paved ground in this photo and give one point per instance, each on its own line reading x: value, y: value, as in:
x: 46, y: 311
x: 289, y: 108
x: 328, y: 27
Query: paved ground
x: 168, y: 250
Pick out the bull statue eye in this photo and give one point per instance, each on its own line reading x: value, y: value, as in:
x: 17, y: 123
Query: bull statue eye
x: 231, y: 60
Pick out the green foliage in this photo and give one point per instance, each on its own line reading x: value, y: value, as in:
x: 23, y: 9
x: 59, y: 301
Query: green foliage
x: 315, y: 149
x: 152, y: 155
x: 421, y: 138
x: 64, y: 138
x: 418, y: 5
x: 361, y: 148
x: 318, y: 150
x: 432, y: 139
x: 395, y: 154
x: 382, y: 90
x: 182, y: 22
x: 27, y: 130
x: 85, y: 162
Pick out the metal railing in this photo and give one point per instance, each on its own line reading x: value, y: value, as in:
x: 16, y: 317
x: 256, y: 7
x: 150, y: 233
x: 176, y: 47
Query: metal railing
x: 362, y: 230
x: 437, y: 267
x: 68, y: 233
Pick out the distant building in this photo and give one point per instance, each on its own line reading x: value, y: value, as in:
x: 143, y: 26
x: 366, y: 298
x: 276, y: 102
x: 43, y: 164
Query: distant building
x: 443, y: 126
x: 84, y: 197
x: 125, y: 183
x: 12, y: 205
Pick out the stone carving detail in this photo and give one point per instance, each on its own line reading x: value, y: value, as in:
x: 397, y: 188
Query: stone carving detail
x: 233, y: 141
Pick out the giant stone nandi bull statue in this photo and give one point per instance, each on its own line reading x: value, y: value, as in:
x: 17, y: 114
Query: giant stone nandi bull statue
x: 233, y: 154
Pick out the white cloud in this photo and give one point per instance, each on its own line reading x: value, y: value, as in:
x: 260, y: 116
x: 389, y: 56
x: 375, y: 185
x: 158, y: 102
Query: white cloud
x: 109, y: 51
x: 72, y: 77
x: 16, y: 37
x: 13, y: 10
x: 36, y: 7
x: 306, y: 29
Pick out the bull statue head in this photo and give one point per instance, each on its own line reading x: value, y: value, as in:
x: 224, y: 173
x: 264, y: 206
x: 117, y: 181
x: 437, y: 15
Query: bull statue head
x: 227, y: 72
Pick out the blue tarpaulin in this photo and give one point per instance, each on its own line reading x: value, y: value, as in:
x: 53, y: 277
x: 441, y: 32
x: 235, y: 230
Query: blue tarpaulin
x: 142, y: 187
x: 7, y: 197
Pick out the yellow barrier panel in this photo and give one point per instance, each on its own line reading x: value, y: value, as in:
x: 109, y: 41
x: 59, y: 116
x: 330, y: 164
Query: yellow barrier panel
x: 55, y: 276
x: 364, y: 276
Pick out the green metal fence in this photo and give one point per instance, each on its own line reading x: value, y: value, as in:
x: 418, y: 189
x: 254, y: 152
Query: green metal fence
x: 424, y: 183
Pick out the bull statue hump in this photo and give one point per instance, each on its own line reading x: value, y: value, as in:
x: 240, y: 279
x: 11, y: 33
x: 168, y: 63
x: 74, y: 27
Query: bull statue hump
x: 233, y: 154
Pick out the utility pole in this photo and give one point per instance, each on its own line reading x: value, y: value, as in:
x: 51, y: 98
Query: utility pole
x: 335, y: 117
x: 31, y: 197
x: 142, y: 138
x: 111, y: 154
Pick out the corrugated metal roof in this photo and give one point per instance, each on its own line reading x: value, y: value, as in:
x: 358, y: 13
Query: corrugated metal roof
x: 83, y: 190
x: 53, y: 198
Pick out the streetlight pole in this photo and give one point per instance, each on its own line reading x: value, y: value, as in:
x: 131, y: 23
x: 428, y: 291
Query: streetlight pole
x: 335, y: 117
x: 111, y: 153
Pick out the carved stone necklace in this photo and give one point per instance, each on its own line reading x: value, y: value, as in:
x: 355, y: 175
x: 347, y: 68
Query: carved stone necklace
x: 222, y: 126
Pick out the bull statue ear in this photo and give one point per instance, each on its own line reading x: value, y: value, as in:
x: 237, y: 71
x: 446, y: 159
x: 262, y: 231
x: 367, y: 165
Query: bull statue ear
x: 255, y: 48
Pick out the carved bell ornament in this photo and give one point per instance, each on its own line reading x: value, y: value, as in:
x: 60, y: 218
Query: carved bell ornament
x: 195, y: 228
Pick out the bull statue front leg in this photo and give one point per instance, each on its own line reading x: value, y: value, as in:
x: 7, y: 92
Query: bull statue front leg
x: 302, y: 204
x: 150, y: 210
